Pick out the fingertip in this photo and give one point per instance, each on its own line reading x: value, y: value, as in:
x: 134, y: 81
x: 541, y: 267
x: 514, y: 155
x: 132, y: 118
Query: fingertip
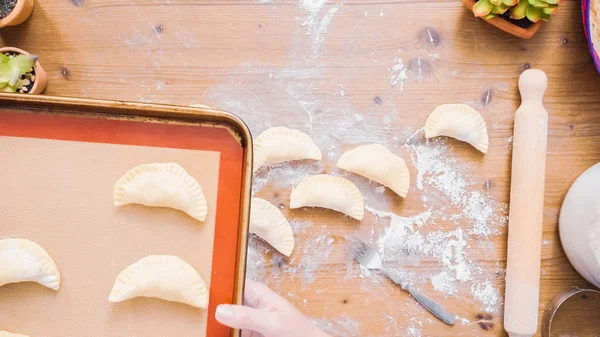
x: 224, y: 313
x: 240, y: 317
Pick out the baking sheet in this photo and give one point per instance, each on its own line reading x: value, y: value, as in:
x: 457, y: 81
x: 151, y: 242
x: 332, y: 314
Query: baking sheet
x: 59, y: 194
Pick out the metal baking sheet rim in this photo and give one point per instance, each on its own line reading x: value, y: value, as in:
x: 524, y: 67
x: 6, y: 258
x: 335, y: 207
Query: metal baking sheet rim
x: 146, y: 112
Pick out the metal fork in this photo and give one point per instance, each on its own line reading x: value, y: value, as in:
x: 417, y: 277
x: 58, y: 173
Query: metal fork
x: 369, y: 258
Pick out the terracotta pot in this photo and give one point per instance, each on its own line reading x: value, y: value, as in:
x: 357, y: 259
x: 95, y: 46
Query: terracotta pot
x: 41, y: 79
x: 524, y: 33
x: 19, y: 14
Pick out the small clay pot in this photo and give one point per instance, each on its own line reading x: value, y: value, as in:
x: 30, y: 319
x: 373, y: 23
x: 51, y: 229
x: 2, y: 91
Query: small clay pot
x: 41, y: 79
x: 19, y: 14
x: 524, y: 33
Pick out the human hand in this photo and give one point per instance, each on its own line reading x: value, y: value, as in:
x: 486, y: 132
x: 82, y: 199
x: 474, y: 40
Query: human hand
x: 266, y: 314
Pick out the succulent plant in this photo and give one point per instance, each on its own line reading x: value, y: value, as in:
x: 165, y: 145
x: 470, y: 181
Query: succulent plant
x: 533, y: 10
x: 12, y: 67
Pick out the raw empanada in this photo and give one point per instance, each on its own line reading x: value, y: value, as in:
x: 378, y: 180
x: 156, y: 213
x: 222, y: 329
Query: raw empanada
x: 267, y: 222
x: 10, y: 334
x: 331, y: 192
x: 25, y: 261
x: 377, y: 163
x: 458, y: 121
x: 281, y: 144
x: 162, y: 276
x: 162, y: 185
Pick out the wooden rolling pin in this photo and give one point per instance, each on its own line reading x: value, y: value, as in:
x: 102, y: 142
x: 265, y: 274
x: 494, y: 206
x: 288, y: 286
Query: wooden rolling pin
x: 526, y: 207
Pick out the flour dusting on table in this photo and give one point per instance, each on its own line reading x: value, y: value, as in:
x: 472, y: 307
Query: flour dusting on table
x: 319, y: 39
x: 344, y: 326
x: 398, y: 73
x: 312, y: 8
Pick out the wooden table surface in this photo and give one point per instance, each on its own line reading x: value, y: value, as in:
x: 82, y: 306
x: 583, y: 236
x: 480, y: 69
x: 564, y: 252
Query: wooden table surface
x: 307, y: 65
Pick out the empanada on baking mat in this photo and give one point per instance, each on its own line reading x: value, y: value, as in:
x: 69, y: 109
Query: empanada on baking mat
x: 60, y: 195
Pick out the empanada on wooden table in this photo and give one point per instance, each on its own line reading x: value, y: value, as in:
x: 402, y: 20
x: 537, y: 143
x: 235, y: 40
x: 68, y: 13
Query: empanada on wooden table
x: 280, y: 144
x: 267, y: 222
x: 328, y: 191
x: 458, y: 121
x: 379, y: 164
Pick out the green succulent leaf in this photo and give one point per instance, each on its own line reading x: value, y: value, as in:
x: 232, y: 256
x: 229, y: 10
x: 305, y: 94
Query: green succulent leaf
x: 532, y: 2
x: 545, y: 17
x: 22, y: 62
x: 5, y: 73
x: 499, y: 9
x: 540, y: 4
x: 534, y: 14
x: 520, y: 10
x: 489, y: 16
x: 4, y: 58
x: 552, y: 2
x: 551, y: 9
x: 496, y: 2
x: 8, y: 88
x: 510, y: 3
x: 482, y: 8
x: 14, y: 76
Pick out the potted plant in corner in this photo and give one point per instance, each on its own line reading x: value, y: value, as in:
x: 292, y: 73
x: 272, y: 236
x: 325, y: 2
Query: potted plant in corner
x: 14, y: 12
x: 522, y: 18
x: 20, y: 72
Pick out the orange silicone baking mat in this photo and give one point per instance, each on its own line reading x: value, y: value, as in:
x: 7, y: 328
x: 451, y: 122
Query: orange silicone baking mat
x: 57, y: 174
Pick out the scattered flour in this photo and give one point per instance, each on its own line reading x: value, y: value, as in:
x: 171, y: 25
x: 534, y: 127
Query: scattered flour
x: 316, y: 251
x: 443, y: 282
x: 285, y: 175
x: 264, y: 261
x: 410, y: 240
x: 439, y: 170
x: 483, y: 215
x: 398, y: 244
x: 398, y: 73
x: 447, y: 183
x: 313, y: 7
x: 391, y: 326
x: 295, y: 99
x: 256, y: 265
x: 487, y: 294
x: 343, y: 326
x: 463, y: 321
x: 317, y: 42
x: 415, y: 328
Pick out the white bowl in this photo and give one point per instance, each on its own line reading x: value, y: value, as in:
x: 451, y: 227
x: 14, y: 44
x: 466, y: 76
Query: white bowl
x: 579, y: 225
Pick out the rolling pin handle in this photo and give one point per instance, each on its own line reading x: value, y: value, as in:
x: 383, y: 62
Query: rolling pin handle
x: 532, y: 85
